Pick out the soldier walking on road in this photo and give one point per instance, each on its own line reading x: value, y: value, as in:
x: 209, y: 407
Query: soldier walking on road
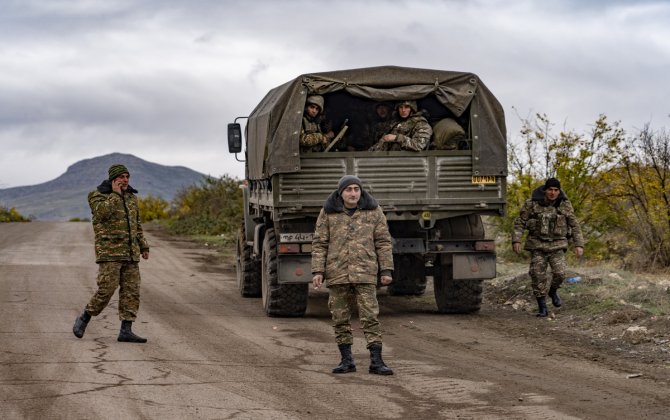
x: 550, y: 220
x: 351, y: 248
x: 119, y: 242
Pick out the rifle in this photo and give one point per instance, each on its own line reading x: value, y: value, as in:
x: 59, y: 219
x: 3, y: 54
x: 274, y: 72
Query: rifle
x: 339, y: 136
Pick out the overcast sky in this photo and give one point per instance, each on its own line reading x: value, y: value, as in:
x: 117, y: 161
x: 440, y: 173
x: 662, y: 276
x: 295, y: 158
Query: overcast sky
x: 160, y: 79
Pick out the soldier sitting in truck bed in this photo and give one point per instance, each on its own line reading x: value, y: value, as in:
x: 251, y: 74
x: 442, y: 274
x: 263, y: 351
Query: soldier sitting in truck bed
x: 410, y: 131
x: 312, y: 137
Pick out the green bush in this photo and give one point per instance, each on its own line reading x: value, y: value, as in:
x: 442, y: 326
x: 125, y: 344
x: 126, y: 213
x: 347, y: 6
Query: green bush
x: 153, y: 208
x: 8, y: 215
x: 213, y: 208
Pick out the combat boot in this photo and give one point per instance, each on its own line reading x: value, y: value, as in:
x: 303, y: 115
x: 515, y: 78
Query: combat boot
x: 555, y: 299
x: 542, y: 305
x: 80, y: 324
x: 347, y: 363
x: 126, y: 334
x: 377, y: 365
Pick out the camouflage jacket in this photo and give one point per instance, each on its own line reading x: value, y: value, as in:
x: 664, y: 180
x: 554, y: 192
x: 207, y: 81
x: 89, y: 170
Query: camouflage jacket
x: 116, y: 224
x: 413, y: 134
x: 351, y: 248
x: 549, y: 226
x: 312, y: 138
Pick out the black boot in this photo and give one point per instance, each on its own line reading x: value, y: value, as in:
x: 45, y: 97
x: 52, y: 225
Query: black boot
x: 555, y: 299
x: 542, y: 304
x: 347, y: 363
x: 80, y: 324
x: 126, y: 333
x: 377, y: 365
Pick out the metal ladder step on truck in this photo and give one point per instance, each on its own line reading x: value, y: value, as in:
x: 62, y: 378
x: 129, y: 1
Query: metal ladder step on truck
x: 434, y: 196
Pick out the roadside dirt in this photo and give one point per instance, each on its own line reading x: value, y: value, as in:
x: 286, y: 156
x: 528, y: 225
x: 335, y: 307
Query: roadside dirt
x: 214, y: 354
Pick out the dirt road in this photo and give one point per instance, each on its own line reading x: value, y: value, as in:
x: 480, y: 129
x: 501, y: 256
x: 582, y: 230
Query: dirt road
x: 214, y: 354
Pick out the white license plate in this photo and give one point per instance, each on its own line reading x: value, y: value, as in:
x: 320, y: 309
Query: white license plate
x: 483, y: 180
x: 296, y: 237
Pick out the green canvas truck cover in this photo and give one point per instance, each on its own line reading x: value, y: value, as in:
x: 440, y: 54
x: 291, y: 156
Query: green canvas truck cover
x: 273, y: 128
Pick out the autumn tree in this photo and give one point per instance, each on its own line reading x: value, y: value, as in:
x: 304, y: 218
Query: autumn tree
x: 640, y: 193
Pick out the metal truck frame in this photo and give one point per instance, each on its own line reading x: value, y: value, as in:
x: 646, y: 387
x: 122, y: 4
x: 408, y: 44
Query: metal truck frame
x: 434, y: 200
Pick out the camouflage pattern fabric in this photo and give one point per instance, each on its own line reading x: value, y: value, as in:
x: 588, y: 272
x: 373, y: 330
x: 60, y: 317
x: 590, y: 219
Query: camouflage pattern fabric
x: 117, y: 226
x: 548, y: 226
x: 340, y: 302
x: 380, y: 128
x: 312, y: 138
x: 351, y: 249
x: 111, y: 275
x: 413, y: 134
x: 539, y: 262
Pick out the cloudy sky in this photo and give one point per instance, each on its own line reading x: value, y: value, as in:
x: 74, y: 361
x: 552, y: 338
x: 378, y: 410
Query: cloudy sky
x: 160, y: 79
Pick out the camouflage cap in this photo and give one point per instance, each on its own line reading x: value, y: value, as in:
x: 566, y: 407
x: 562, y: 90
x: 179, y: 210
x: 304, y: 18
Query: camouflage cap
x: 116, y: 170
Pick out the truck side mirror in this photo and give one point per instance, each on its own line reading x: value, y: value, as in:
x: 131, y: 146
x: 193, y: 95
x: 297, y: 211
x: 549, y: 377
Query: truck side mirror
x: 234, y: 138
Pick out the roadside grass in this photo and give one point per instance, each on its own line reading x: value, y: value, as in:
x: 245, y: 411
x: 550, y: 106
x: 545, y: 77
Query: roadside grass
x: 224, y: 244
x: 602, y: 290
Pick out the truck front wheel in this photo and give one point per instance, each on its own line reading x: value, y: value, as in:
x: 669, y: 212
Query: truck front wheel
x: 279, y: 299
x: 248, y: 272
x: 456, y: 296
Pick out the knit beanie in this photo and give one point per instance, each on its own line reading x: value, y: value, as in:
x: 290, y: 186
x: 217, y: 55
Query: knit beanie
x: 552, y: 183
x: 347, y: 180
x: 116, y: 170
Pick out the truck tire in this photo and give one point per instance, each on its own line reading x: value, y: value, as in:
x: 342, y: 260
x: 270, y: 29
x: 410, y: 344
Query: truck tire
x: 281, y: 300
x: 248, y: 271
x: 409, y: 276
x: 456, y: 296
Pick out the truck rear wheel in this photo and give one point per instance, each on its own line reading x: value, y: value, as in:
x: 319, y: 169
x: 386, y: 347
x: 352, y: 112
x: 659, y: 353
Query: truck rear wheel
x: 409, y: 276
x: 456, y: 296
x: 279, y: 299
x: 248, y: 272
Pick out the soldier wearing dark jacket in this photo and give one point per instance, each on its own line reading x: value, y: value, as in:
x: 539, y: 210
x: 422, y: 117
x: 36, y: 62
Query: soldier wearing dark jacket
x: 119, y: 243
x: 550, y: 220
x: 351, y: 248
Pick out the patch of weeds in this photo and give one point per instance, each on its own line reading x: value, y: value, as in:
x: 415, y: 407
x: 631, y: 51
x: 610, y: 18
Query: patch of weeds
x: 648, y: 298
x: 225, y: 244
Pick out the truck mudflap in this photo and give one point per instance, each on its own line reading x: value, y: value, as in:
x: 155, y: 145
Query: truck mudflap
x: 294, y: 268
x: 474, y: 266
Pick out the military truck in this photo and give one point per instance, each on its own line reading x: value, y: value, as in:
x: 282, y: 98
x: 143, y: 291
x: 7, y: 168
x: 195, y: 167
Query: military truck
x: 433, y: 199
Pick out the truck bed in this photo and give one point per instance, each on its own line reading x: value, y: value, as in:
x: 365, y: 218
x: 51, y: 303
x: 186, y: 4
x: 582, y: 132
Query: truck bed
x: 436, y: 181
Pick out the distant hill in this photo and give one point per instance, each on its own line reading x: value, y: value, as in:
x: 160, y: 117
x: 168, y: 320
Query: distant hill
x: 66, y: 196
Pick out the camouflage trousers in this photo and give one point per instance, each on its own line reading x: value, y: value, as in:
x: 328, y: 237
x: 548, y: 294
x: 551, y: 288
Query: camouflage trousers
x: 340, y: 302
x: 539, y: 262
x: 122, y: 274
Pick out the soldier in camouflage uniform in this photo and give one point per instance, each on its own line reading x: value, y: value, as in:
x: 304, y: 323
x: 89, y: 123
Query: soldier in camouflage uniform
x: 312, y: 137
x: 550, y: 220
x: 410, y: 130
x: 351, y: 248
x: 119, y: 243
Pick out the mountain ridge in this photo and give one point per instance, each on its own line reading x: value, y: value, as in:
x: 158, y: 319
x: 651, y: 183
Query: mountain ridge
x: 65, y: 197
